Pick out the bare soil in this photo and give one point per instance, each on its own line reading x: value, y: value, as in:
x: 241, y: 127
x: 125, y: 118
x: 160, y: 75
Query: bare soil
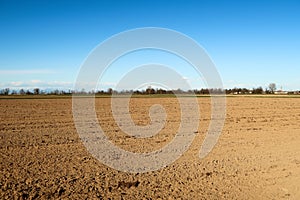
x: 256, y: 157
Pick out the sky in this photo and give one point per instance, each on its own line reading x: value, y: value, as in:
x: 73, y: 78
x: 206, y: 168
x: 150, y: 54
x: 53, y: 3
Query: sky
x: 252, y: 43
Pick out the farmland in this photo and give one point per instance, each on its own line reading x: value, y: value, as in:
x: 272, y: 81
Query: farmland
x: 257, y: 155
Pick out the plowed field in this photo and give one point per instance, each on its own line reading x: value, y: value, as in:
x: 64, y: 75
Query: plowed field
x: 257, y: 155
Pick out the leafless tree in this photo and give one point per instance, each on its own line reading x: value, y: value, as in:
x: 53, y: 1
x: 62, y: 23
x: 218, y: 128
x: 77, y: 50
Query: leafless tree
x: 272, y: 87
x: 36, y: 91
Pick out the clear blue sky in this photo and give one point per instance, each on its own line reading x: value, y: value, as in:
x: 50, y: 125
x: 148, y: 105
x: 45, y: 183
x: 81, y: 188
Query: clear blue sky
x: 253, y: 43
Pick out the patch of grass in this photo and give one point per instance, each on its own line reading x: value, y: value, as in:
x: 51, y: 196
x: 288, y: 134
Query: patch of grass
x: 143, y: 96
x: 3, y: 97
x: 266, y: 96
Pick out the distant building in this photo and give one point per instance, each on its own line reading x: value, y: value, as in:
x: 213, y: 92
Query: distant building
x: 280, y: 92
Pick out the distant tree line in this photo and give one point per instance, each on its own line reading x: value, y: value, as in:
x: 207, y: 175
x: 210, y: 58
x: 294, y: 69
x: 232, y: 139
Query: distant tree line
x: 35, y: 91
x: 149, y: 91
